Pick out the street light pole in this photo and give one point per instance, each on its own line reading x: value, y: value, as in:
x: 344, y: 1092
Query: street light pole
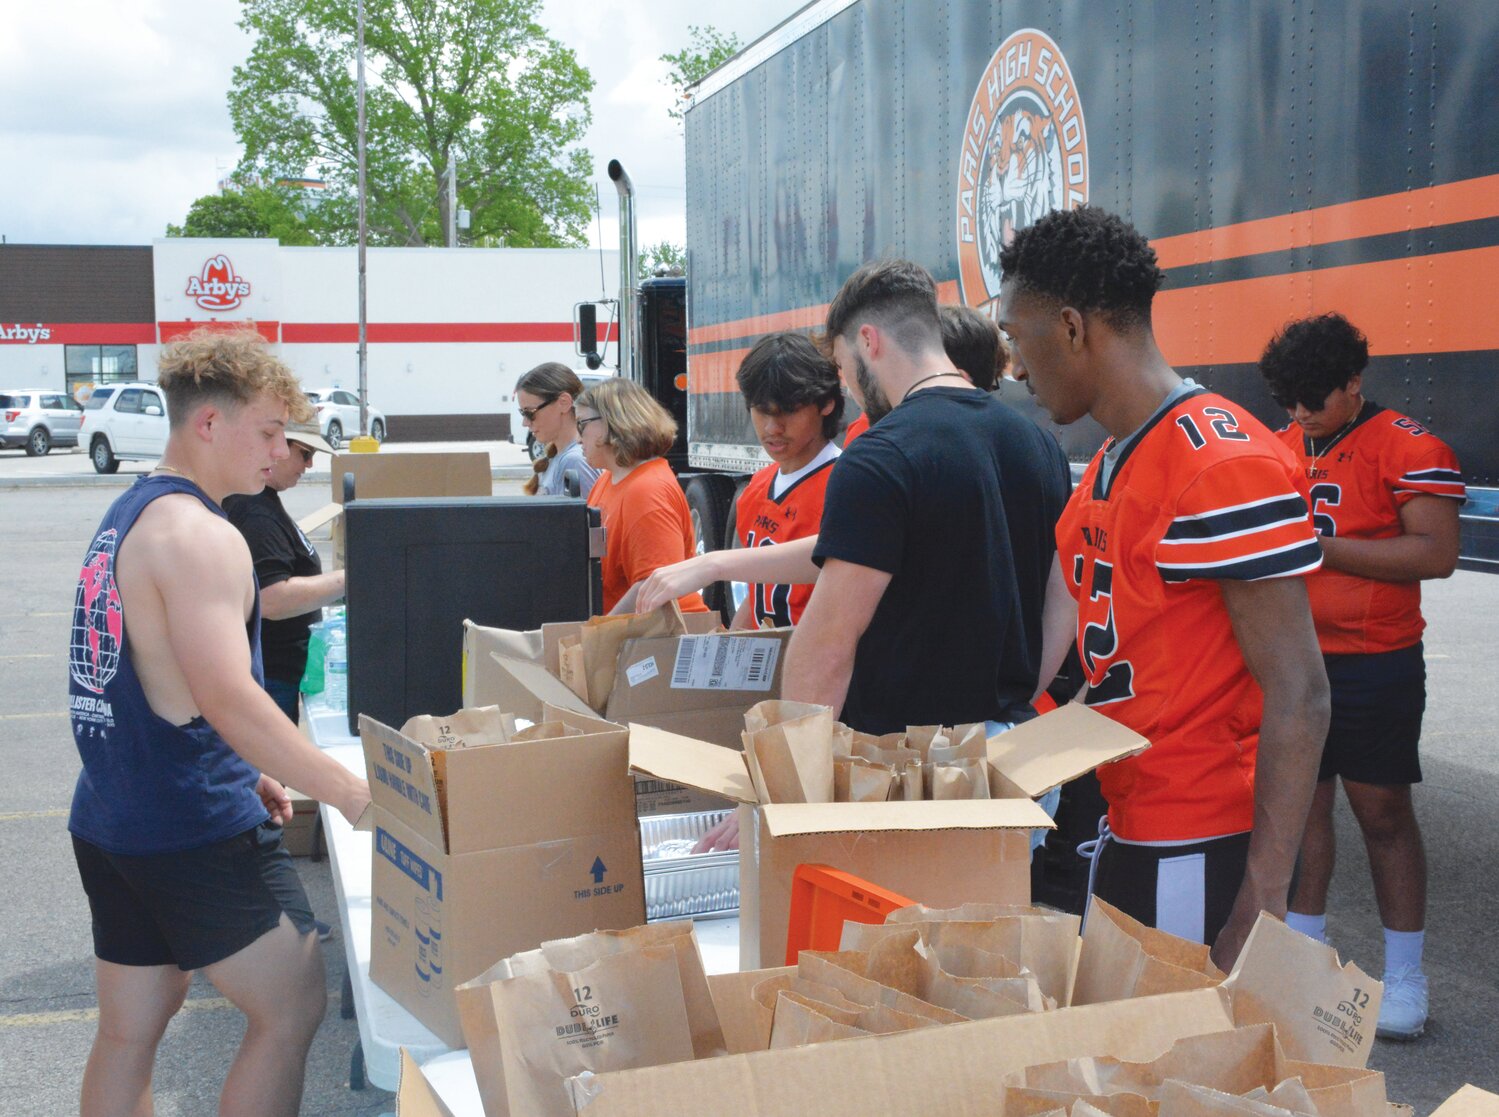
x: 364, y: 385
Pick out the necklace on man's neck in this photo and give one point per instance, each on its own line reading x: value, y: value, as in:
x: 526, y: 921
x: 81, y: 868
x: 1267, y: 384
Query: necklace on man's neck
x: 1333, y: 441
x: 923, y: 380
x: 184, y: 474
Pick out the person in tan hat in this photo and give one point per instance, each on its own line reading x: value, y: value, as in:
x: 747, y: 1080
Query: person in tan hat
x: 293, y: 587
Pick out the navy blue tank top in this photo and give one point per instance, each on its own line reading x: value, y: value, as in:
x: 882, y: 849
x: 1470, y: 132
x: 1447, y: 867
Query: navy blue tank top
x: 147, y: 786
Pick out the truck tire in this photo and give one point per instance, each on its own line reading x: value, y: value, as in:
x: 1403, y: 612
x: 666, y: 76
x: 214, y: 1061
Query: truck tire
x: 708, y: 498
x: 102, y: 456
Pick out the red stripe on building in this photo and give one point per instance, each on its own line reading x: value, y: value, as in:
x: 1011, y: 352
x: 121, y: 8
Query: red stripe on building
x: 347, y: 333
x: 80, y: 333
x: 171, y: 331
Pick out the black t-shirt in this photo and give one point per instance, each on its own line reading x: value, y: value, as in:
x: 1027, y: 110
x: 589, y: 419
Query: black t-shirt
x: 280, y: 551
x: 957, y: 497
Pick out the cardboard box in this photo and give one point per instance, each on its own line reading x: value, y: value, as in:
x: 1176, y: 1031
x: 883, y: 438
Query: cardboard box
x: 297, y: 835
x: 929, y: 1072
x: 396, y: 473
x: 484, y: 851
x: 667, y: 682
x: 942, y: 854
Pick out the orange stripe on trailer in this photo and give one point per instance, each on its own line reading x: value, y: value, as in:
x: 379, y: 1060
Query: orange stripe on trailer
x: 708, y: 373
x: 1472, y: 199
x: 1419, y: 305
x: 802, y: 318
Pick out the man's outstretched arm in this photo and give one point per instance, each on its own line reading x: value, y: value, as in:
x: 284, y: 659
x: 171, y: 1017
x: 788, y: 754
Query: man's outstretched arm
x: 202, y: 590
x: 1273, y: 625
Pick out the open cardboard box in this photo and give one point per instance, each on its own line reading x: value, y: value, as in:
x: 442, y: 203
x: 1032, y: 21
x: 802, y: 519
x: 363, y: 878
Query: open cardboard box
x: 486, y: 850
x: 400, y: 474
x: 698, y: 685
x: 942, y: 854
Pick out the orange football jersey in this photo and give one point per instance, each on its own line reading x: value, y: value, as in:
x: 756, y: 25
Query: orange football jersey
x: 1358, y: 484
x: 855, y: 429
x: 762, y: 520
x: 1204, y: 493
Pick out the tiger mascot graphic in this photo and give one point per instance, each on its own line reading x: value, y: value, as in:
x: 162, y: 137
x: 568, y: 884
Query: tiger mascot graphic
x: 1021, y: 179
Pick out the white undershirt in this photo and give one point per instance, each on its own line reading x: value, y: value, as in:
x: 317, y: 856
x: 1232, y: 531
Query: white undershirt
x: 783, y: 481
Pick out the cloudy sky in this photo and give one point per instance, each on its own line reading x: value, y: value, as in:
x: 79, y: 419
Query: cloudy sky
x: 116, y: 114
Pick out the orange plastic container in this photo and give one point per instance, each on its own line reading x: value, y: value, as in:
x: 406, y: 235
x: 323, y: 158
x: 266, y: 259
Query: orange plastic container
x: 823, y: 897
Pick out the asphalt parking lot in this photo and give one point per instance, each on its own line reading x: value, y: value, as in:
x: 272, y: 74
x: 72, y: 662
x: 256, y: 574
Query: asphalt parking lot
x: 47, y: 1003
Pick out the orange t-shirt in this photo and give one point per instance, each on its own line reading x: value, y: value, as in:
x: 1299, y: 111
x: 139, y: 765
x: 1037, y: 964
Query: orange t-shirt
x: 647, y: 525
x: 855, y: 429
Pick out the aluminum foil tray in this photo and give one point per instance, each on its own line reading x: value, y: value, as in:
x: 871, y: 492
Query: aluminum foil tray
x: 679, y: 885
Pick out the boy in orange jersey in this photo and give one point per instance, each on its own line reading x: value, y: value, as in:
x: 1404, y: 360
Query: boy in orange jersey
x: 1183, y: 548
x: 795, y: 402
x: 1385, y: 493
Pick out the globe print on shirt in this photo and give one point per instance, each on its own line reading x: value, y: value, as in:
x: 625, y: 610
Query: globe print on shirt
x: 98, y: 619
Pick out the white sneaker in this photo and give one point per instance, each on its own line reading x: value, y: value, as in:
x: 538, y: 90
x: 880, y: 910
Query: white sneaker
x: 1402, y: 1013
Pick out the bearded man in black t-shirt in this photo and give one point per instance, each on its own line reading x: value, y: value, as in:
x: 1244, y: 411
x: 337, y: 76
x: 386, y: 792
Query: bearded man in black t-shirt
x: 937, y: 537
x: 293, y: 587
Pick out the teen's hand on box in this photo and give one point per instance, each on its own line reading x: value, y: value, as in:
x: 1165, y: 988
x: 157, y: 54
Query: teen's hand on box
x: 722, y: 837
x: 277, y: 801
x: 667, y: 583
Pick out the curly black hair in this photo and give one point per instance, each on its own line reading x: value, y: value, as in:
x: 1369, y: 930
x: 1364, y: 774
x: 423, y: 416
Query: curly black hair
x: 787, y: 371
x: 1087, y: 258
x: 1311, y: 358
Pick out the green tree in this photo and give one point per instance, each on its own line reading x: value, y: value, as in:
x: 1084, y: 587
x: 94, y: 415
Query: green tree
x: 672, y: 257
x: 706, y: 51
x: 477, y: 82
x: 249, y: 211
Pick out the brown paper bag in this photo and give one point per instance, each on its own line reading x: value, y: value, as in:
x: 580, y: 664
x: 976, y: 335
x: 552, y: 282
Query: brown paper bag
x: 1020, y: 1101
x: 959, y: 779
x: 467, y: 728
x: 789, y: 746
x: 862, y: 990
x: 1323, y: 1012
x: 547, y: 731
x: 868, y: 782
x: 622, y: 1011
x: 1470, y: 1101
x: 592, y: 661
x: 1340, y: 1091
x: 702, y: 1015
x: 1184, y: 1099
x: 800, y: 1020
x: 1121, y: 958
x: 1043, y: 942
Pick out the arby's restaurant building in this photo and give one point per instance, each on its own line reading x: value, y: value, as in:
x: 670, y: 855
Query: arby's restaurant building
x: 450, y: 330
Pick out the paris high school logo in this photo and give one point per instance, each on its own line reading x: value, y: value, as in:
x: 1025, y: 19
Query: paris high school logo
x: 98, y: 619
x: 218, y: 287
x: 1024, y: 153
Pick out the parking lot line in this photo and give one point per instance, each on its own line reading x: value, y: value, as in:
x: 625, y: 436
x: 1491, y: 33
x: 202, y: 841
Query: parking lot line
x: 18, y: 816
x: 43, y: 714
x: 85, y: 1015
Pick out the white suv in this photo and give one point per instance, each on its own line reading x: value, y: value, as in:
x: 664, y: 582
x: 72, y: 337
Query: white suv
x: 338, y: 415
x: 38, y: 419
x: 124, y: 422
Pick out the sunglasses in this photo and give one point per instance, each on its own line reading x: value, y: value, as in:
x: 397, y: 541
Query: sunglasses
x: 529, y: 413
x: 583, y: 423
x: 306, y: 453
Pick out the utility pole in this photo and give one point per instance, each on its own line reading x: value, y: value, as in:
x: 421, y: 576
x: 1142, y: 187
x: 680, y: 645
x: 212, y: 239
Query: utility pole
x: 451, y: 232
x: 364, y: 379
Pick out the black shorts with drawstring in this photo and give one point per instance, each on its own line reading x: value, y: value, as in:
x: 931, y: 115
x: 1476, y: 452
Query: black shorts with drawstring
x: 1378, y: 701
x: 192, y: 908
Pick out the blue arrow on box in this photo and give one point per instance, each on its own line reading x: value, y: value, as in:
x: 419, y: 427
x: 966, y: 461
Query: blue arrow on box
x: 598, y: 870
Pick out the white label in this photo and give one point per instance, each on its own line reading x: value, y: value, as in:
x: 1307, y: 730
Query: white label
x: 643, y: 671
x: 725, y: 663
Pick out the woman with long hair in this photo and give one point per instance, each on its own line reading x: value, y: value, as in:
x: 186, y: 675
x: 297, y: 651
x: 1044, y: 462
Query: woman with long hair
x: 548, y: 397
x: 647, y: 525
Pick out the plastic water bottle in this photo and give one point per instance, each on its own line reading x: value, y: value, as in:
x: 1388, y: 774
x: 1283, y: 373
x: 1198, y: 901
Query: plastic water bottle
x: 317, y: 649
x: 336, y: 677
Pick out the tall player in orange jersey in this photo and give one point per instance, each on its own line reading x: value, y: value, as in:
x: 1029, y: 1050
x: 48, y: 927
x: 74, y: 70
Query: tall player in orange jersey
x: 1183, y: 549
x: 1385, y: 493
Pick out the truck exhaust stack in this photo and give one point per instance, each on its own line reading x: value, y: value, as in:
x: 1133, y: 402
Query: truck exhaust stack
x: 629, y: 338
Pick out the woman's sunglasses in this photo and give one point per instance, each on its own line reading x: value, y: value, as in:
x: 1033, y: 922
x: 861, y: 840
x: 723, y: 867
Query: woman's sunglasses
x: 529, y: 413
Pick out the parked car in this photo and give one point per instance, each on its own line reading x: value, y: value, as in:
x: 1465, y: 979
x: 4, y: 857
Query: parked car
x: 124, y: 422
x: 338, y: 414
x: 38, y: 419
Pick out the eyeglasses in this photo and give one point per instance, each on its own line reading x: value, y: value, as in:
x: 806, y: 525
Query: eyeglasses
x: 529, y: 413
x: 583, y: 423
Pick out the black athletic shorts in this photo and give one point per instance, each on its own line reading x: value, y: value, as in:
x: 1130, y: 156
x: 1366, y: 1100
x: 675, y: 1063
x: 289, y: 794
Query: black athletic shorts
x: 1188, y: 890
x: 193, y: 908
x: 1377, y: 703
